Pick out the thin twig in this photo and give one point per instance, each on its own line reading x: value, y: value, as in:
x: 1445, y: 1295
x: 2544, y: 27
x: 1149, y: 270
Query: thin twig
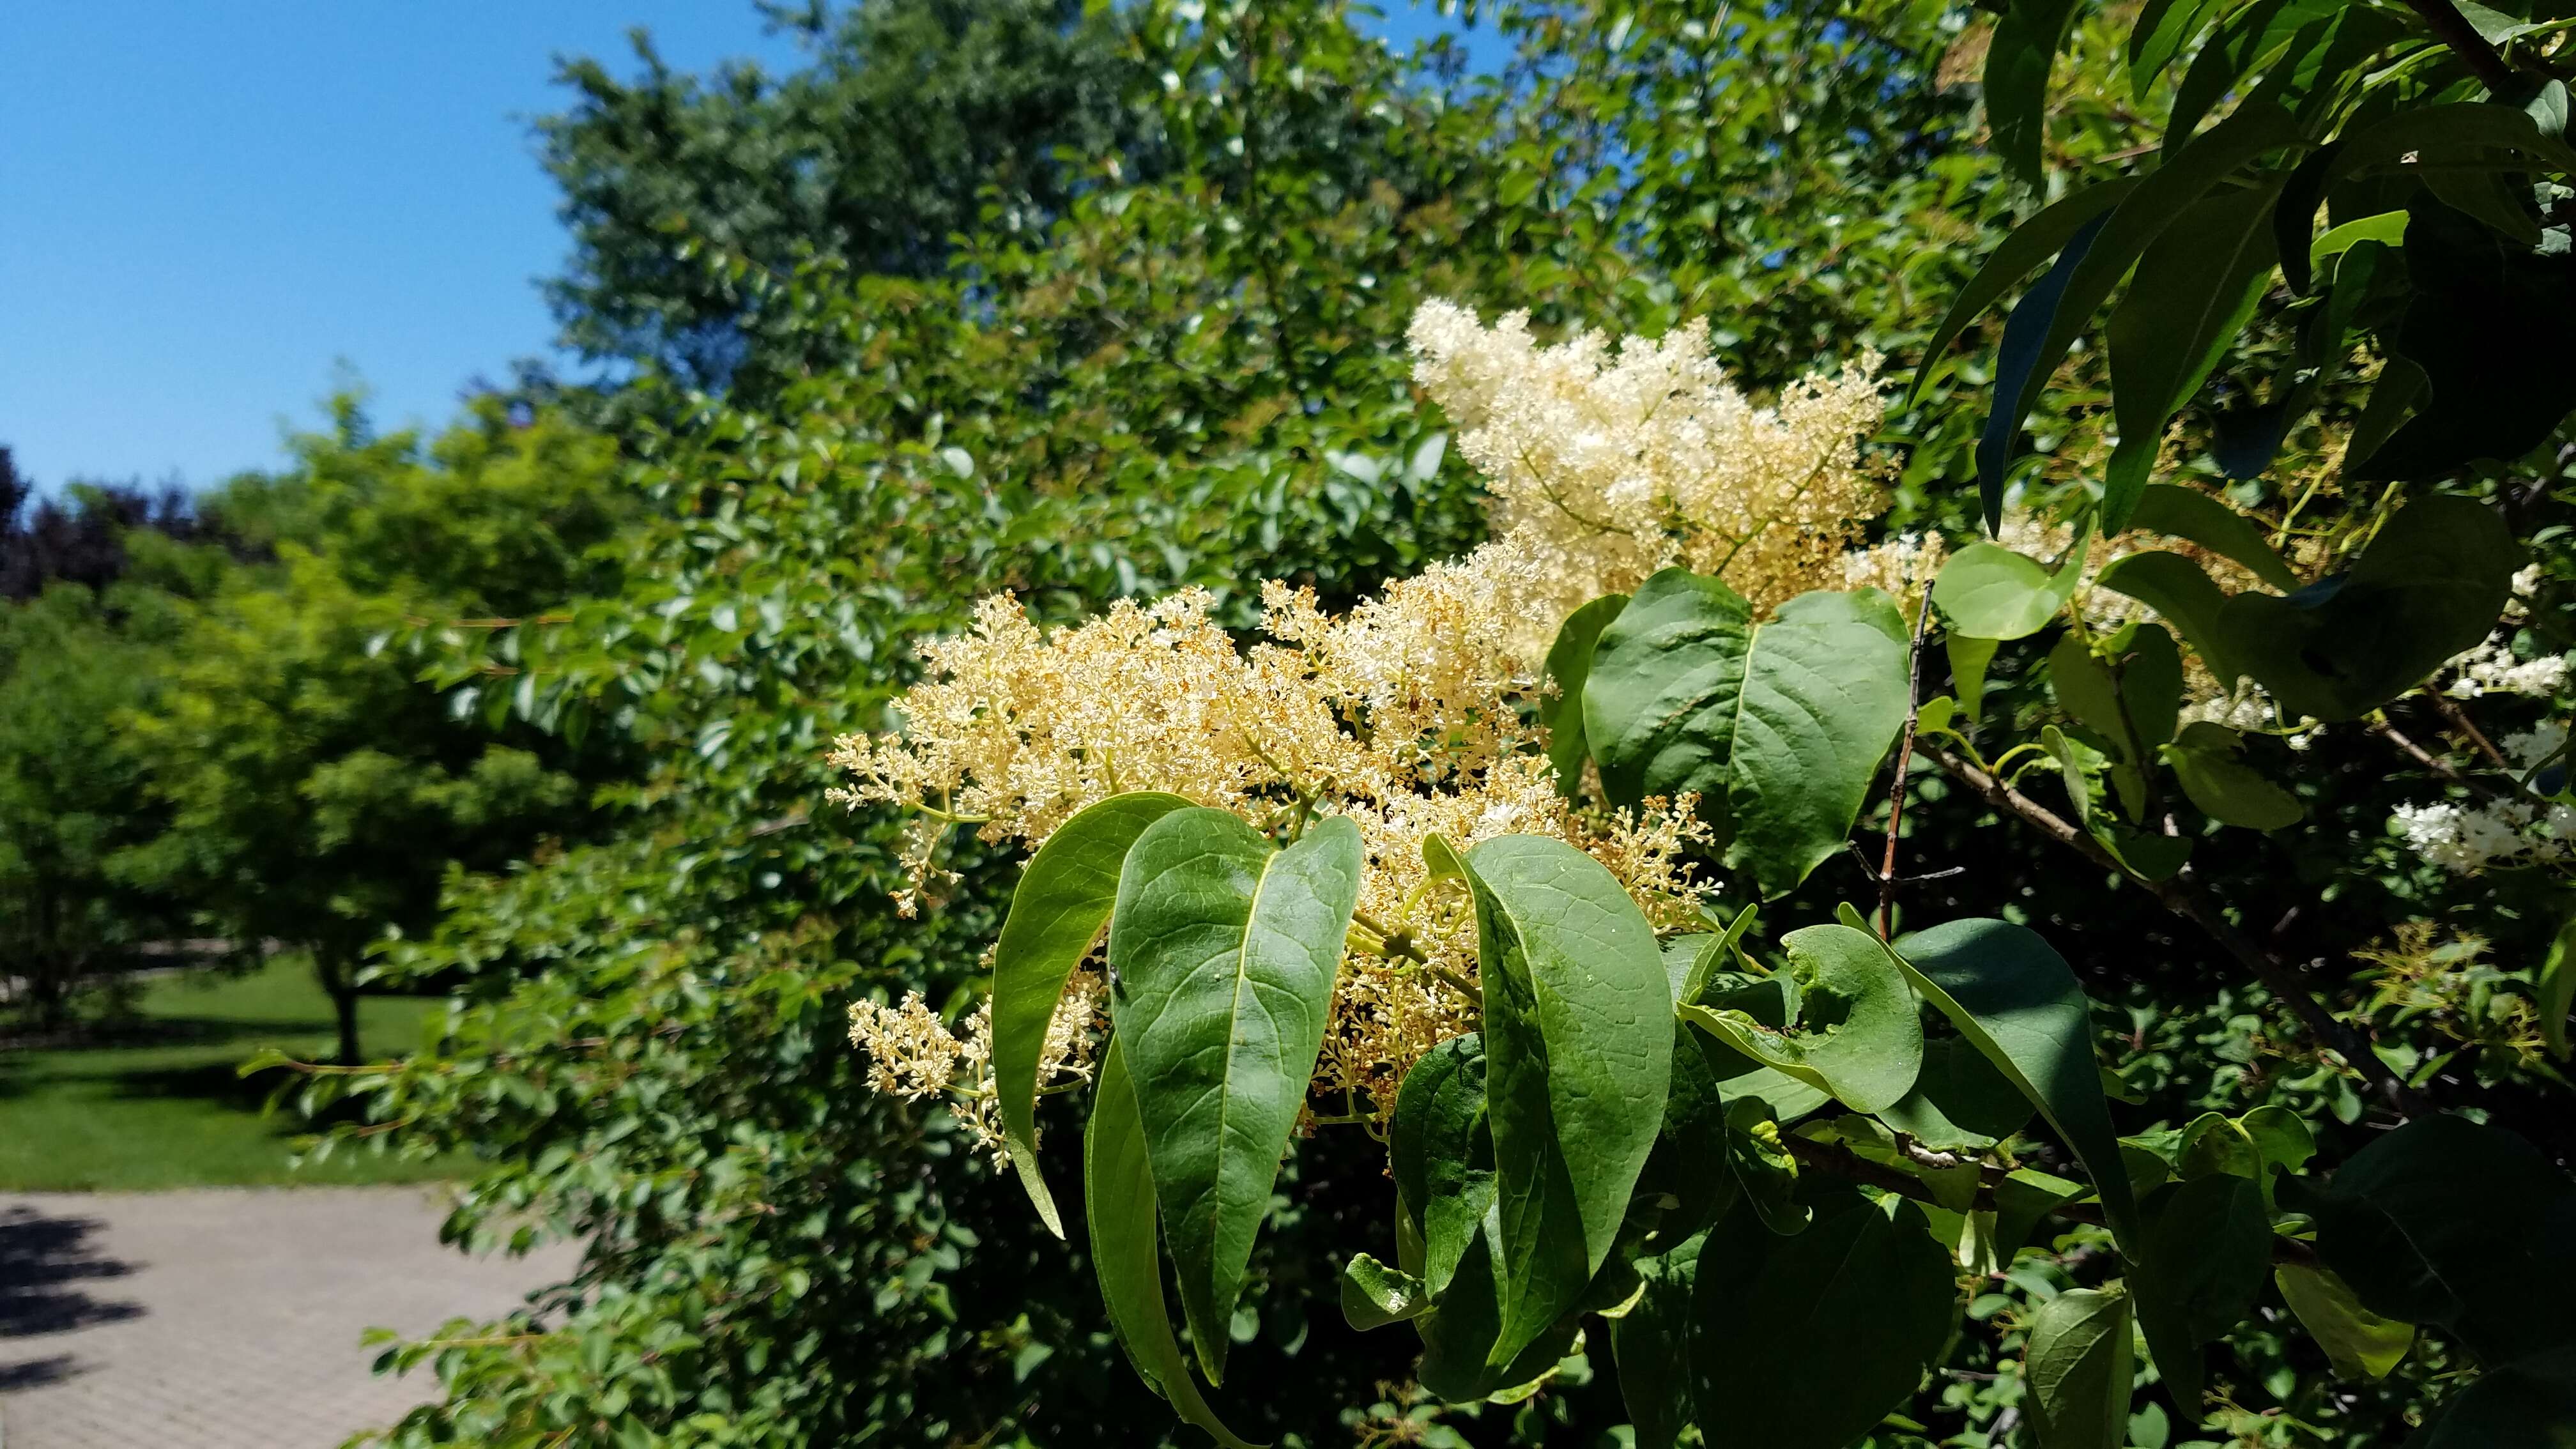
x: 2434, y: 762
x: 2181, y: 895
x: 1904, y: 761
x: 2458, y: 719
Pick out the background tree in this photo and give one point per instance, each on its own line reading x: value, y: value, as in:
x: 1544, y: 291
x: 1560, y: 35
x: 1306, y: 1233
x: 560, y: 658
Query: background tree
x: 315, y: 794
x: 907, y: 121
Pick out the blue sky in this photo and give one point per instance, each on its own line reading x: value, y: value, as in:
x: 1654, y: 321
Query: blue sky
x: 212, y: 205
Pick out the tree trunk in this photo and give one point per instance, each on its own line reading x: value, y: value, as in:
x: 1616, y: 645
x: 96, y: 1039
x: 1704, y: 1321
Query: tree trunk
x: 341, y: 982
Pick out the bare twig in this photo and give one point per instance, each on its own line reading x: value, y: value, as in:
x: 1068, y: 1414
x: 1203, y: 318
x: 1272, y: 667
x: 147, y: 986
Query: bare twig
x: 2458, y: 719
x: 2434, y: 762
x: 2181, y: 895
x: 1904, y: 761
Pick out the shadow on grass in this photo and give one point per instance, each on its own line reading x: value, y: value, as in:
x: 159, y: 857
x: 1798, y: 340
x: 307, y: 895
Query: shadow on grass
x: 47, y: 1263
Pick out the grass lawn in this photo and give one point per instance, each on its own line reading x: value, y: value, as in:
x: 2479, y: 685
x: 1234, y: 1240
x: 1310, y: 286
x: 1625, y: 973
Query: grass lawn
x: 172, y: 1113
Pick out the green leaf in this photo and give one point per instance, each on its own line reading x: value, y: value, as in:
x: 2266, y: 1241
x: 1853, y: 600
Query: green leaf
x: 2023, y: 365
x: 2204, y: 760
x: 1224, y: 953
x: 1807, y: 1342
x: 1442, y: 1153
x: 1990, y: 592
x: 1118, y: 1204
x: 2019, y: 55
x: 2194, y: 291
x: 2388, y: 228
x: 2204, y: 1262
x: 2182, y: 594
x: 1779, y: 726
x: 2454, y: 131
x: 1968, y: 660
x: 2431, y: 584
x: 2033, y: 242
x: 1688, y: 1177
x: 2450, y: 1223
x: 1578, y: 1042
x: 2179, y: 512
x: 2558, y: 987
x: 2237, y: 48
x: 2022, y: 1199
x: 1960, y: 1102
x: 2359, y: 1343
x: 2529, y: 1402
x: 1459, y: 1332
x: 2018, y: 1003
x: 1765, y: 1173
x: 1375, y: 1295
x: 2159, y: 34
x: 1773, y: 1002
x: 2079, y: 1369
x: 1859, y: 1027
x: 2125, y: 234
x: 1569, y: 663
x: 1651, y: 1347
x: 2480, y: 307
x: 1062, y: 901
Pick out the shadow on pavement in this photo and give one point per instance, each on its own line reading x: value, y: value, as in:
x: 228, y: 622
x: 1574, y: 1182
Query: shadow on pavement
x: 46, y: 1266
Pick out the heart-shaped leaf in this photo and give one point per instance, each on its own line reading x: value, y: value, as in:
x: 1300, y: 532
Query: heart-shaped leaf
x: 1779, y: 727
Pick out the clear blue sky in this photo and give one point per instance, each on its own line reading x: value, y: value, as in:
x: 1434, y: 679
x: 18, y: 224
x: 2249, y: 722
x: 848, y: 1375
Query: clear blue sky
x: 206, y: 206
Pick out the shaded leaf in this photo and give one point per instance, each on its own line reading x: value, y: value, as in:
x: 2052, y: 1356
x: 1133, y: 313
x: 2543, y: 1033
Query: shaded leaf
x: 1809, y: 1341
x: 1118, y: 1205
x: 2431, y: 584
x: 2180, y: 512
x: 2450, y: 1223
x: 2194, y: 291
x: 1578, y: 1042
x: 2358, y: 1342
x: 1651, y: 1347
x: 2018, y: 1003
x: 1442, y: 1153
x: 2206, y: 1253
x: 1569, y: 663
x: 2528, y: 1402
x: 2047, y: 233
x: 2079, y: 1369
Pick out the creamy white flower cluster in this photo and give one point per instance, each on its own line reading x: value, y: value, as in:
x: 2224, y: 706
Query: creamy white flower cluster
x: 2493, y: 668
x: 2467, y: 839
x: 1609, y: 460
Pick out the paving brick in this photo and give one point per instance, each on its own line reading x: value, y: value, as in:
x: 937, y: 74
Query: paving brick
x: 227, y: 1318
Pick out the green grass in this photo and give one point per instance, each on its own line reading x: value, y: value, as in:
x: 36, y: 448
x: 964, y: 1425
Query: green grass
x: 173, y: 1113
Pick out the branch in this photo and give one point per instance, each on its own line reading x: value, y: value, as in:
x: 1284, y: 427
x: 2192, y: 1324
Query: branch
x: 2434, y: 762
x: 1837, y: 1161
x: 1904, y: 761
x: 2453, y: 29
x: 2182, y: 896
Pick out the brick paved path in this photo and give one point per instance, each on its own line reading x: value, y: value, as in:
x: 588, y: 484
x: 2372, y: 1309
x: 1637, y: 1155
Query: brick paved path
x: 226, y: 1317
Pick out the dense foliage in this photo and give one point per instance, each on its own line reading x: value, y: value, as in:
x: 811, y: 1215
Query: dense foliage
x: 1077, y: 308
